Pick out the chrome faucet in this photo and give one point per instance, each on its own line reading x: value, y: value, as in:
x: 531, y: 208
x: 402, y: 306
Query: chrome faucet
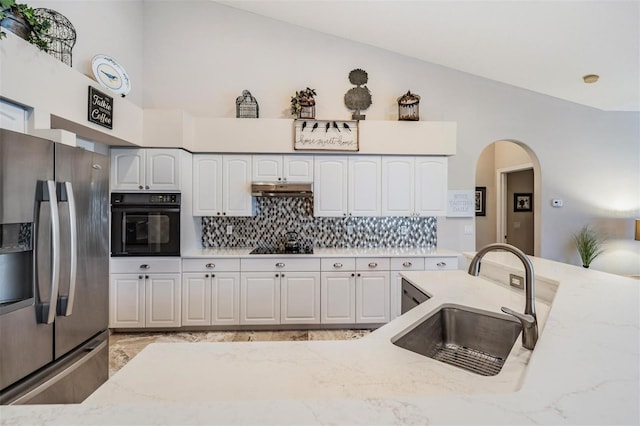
x: 528, y: 320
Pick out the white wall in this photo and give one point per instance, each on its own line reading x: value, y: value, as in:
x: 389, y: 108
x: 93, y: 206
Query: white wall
x: 199, y: 56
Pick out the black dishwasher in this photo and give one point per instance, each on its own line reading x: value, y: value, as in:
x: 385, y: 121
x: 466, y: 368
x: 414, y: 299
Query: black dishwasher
x: 411, y: 296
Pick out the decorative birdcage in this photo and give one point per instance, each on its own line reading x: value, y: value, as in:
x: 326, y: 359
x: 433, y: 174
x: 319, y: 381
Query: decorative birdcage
x: 61, y: 36
x: 246, y: 106
x: 408, y: 107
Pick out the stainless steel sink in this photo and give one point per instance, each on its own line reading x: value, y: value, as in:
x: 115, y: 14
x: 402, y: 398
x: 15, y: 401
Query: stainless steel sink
x: 476, y: 342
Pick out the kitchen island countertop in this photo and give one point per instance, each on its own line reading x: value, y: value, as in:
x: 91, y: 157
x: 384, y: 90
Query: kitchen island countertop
x: 585, y: 369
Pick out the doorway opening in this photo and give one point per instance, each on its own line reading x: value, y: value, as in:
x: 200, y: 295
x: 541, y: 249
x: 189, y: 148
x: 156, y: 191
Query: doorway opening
x: 509, y: 173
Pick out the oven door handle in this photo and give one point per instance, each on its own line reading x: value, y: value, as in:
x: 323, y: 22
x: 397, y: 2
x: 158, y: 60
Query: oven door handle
x: 139, y: 209
x: 123, y: 235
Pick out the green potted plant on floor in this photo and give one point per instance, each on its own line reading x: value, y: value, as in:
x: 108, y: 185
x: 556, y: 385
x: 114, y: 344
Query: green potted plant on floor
x: 21, y: 20
x: 589, y: 245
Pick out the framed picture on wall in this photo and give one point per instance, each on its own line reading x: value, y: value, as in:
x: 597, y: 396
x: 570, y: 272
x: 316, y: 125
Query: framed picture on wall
x: 522, y: 202
x: 481, y: 200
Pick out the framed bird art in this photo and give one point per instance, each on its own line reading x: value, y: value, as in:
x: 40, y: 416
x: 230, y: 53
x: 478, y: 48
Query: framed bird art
x: 325, y: 135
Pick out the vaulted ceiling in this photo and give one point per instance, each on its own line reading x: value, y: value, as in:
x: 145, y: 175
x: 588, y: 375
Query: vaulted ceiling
x: 542, y: 46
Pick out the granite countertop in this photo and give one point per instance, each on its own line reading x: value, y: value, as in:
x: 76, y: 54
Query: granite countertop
x: 325, y: 252
x: 585, y: 368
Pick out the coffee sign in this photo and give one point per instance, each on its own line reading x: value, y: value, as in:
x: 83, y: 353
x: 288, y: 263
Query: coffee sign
x: 100, y: 108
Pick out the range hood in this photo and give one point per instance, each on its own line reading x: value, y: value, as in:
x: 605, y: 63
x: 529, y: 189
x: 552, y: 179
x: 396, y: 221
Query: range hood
x: 281, y: 189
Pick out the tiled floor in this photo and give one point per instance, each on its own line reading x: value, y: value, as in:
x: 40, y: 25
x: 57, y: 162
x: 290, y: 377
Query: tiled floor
x: 124, y: 346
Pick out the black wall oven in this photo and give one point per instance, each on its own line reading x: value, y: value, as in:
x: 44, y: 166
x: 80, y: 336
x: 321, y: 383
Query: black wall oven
x: 144, y: 224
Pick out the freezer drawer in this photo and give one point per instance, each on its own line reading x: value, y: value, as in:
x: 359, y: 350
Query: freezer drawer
x: 69, y: 380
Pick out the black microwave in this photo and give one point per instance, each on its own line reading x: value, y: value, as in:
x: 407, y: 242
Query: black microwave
x: 145, y: 224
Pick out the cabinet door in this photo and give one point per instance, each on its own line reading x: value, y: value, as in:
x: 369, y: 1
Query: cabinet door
x: 330, y: 186
x: 196, y: 299
x: 225, y: 298
x: 338, y: 298
x: 364, y: 186
x: 127, y: 169
x: 207, y: 185
x: 300, y: 298
x: 398, y: 186
x: 13, y: 117
x: 267, y: 168
x: 431, y: 186
x: 298, y: 168
x: 372, y: 297
x: 163, y: 170
x: 126, y: 301
x: 236, y: 179
x: 162, y: 300
x: 260, y: 298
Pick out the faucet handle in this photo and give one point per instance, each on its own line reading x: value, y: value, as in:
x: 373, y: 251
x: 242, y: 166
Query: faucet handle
x: 529, y: 327
x: 525, y: 319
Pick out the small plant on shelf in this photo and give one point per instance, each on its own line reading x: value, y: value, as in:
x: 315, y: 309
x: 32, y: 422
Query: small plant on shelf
x: 21, y: 20
x: 303, y: 104
x: 589, y: 245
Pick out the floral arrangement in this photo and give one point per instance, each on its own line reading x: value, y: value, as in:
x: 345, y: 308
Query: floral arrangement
x: 37, y: 26
x: 302, y: 98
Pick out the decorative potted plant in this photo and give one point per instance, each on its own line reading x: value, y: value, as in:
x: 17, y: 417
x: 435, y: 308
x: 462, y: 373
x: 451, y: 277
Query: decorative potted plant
x: 589, y: 245
x: 21, y: 20
x: 303, y: 104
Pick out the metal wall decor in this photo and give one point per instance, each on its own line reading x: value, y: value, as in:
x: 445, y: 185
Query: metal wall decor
x: 334, y: 135
x: 358, y: 98
x: 409, y: 107
x: 247, y: 106
x: 61, y: 35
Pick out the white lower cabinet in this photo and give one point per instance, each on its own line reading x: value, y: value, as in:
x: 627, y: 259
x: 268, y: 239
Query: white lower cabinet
x: 260, y: 298
x: 372, y: 290
x: 300, y: 298
x: 211, y: 296
x: 144, y: 292
x: 338, y: 298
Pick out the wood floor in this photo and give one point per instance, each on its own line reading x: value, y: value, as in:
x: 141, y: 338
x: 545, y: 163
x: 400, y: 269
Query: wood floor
x: 124, y: 346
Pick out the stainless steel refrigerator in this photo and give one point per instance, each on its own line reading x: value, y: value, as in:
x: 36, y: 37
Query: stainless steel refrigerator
x: 54, y: 273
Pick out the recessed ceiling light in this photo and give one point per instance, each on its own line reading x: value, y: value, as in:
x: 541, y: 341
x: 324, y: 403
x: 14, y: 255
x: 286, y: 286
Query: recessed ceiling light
x: 591, y: 78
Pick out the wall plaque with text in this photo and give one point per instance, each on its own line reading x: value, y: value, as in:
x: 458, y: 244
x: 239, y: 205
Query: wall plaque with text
x: 100, y: 108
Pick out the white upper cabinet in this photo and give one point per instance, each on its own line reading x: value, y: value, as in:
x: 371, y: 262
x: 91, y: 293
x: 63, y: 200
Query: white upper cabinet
x: 347, y: 186
x: 414, y: 186
x: 278, y: 168
x: 145, y: 169
x: 222, y: 185
x: 12, y: 117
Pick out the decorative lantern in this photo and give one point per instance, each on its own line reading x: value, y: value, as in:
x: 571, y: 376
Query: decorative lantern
x: 246, y: 106
x: 408, y: 107
x: 60, y: 37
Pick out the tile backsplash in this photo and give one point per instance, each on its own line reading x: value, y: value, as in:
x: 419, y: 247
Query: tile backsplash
x: 277, y: 216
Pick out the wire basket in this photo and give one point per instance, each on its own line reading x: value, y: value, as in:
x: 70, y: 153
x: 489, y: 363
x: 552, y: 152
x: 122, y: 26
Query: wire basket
x: 61, y: 36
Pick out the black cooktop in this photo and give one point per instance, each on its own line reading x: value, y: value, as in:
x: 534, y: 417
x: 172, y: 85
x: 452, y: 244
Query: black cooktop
x: 279, y: 250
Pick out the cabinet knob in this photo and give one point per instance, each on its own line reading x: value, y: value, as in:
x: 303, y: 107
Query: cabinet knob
x: 140, y: 277
x: 337, y: 265
x: 146, y: 277
x: 358, y: 274
x: 279, y: 178
x: 344, y: 214
x: 206, y: 275
x: 279, y: 265
x: 282, y: 275
x: 407, y: 264
x: 146, y: 187
x: 441, y: 264
x: 210, y: 265
x: 277, y: 275
x: 218, y: 213
x: 140, y: 187
x: 145, y: 266
x: 373, y: 265
x: 224, y: 213
x: 350, y: 214
x: 353, y: 275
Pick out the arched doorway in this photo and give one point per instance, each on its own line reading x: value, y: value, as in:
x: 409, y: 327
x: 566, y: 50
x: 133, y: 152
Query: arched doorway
x: 508, y: 173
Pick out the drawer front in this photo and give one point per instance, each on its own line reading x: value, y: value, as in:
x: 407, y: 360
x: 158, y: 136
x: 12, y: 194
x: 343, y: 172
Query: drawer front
x: 145, y: 264
x: 211, y: 265
x: 407, y: 263
x: 338, y: 264
x: 280, y: 264
x: 372, y: 264
x: 440, y: 263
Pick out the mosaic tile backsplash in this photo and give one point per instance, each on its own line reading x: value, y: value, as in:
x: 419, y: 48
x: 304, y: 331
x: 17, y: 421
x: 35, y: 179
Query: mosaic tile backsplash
x: 277, y: 216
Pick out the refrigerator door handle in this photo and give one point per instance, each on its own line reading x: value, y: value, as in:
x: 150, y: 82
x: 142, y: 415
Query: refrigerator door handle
x: 47, y: 312
x: 65, y: 303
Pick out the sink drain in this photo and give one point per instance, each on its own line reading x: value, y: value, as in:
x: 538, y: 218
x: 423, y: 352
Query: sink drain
x: 468, y: 359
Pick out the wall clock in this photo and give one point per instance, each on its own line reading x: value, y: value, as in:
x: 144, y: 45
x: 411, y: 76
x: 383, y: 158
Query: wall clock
x: 110, y: 74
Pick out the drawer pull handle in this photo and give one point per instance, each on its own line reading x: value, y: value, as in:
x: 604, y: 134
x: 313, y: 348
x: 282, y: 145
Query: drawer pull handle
x: 337, y: 265
x: 145, y: 266
x: 441, y: 264
x: 210, y: 265
x: 373, y: 265
x: 407, y: 264
x: 280, y: 265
